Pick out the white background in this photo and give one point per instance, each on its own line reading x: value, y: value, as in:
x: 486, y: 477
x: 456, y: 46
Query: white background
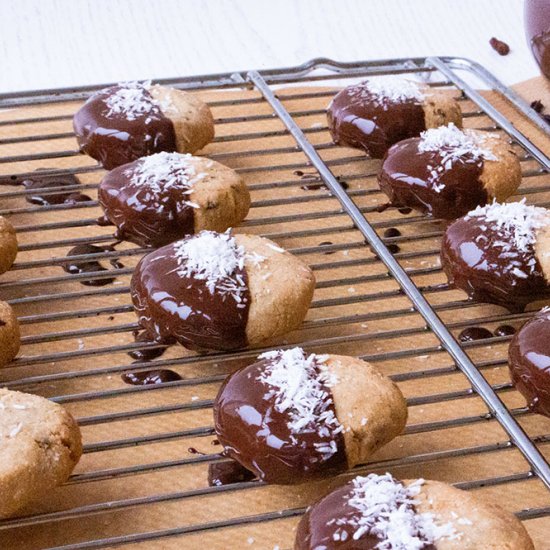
x: 56, y: 43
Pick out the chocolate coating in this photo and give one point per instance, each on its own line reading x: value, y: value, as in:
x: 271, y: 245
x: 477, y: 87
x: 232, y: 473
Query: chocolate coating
x: 529, y: 361
x: 114, y: 140
x: 174, y: 308
x: 372, y: 124
x: 227, y: 473
x: 317, y: 527
x: 255, y: 434
x: 473, y: 264
x: 406, y: 177
x: 139, y: 217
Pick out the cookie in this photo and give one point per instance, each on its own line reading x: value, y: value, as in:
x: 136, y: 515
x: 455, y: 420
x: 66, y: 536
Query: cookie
x: 10, y: 339
x: 378, y: 112
x: 292, y: 417
x: 500, y: 254
x: 446, y: 172
x: 529, y: 362
x: 122, y: 123
x: 164, y: 197
x: 220, y: 291
x: 8, y: 245
x: 379, y: 512
x: 40, y: 444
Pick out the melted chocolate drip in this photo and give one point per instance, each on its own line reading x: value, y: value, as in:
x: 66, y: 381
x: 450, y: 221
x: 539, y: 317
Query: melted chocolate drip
x: 139, y: 217
x: 43, y: 182
x: 227, y: 473
x: 150, y: 377
x: 332, y: 514
x: 505, y: 330
x: 537, y: 29
x: 404, y: 210
x: 471, y: 334
x: 392, y: 232
x: 529, y: 359
x: 90, y: 266
x: 145, y: 354
x: 473, y: 264
x: 406, y: 178
x: 176, y: 308
x: 194, y: 451
x: 255, y: 434
x: 327, y: 243
x: 116, y: 140
x: 371, y: 123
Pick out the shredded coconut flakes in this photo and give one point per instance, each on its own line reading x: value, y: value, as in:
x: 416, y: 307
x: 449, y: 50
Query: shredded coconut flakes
x: 216, y: 259
x: 298, y: 383
x: 390, y: 88
x: 131, y: 99
x: 162, y: 171
x: 453, y: 145
x: 386, y: 511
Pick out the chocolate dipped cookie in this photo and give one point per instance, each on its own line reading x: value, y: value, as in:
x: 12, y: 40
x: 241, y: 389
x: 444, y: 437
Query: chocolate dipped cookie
x: 500, y: 254
x: 122, y: 123
x: 380, y: 111
x: 10, y: 339
x: 8, y: 245
x: 221, y: 291
x: 379, y: 512
x: 40, y: 444
x: 529, y: 362
x: 292, y: 416
x: 446, y: 172
x: 164, y: 197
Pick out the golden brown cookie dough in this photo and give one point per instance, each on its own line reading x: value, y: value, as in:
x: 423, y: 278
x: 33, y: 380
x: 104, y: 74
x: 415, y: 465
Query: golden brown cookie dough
x: 9, y: 334
x: 376, y: 509
x: 306, y: 415
x: 219, y: 291
x: 8, y: 245
x: 380, y: 111
x: 446, y: 171
x: 40, y: 444
x: 164, y: 197
x: 120, y: 124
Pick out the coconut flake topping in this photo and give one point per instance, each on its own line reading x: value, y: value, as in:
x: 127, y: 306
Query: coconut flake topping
x: 386, y: 511
x: 216, y: 259
x: 131, y: 99
x: 391, y: 88
x: 298, y: 384
x: 516, y: 221
x: 453, y: 145
x: 162, y: 171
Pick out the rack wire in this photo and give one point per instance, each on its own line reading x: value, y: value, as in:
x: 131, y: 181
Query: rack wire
x: 143, y: 481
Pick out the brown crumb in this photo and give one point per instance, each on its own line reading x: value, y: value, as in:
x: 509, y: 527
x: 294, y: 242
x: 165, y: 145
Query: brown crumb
x: 499, y: 46
x: 537, y: 106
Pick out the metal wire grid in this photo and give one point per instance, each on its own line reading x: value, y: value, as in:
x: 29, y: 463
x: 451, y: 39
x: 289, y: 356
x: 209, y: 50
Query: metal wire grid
x: 83, y: 378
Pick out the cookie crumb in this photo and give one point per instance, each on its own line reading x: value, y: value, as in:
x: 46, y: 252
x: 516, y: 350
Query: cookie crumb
x: 499, y: 46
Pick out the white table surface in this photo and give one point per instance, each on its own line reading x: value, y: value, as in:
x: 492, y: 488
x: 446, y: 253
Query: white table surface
x: 57, y: 43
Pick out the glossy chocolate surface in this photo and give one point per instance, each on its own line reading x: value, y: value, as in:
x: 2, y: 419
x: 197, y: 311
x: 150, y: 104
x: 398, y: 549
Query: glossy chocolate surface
x: 371, y: 123
x: 471, y: 334
x: 529, y: 360
x: 537, y: 29
x: 329, y: 516
x: 115, y: 140
x: 255, y: 434
x: 406, y: 178
x: 42, y: 182
x: 227, y: 473
x: 174, y: 308
x: 140, y: 217
x: 150, y: 377
x: 90, y: 266
x: 473, y: 264
x: 145, y: 354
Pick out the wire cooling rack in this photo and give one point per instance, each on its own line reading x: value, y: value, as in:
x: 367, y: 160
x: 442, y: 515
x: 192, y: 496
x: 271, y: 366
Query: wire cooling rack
x: 143, y: 479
